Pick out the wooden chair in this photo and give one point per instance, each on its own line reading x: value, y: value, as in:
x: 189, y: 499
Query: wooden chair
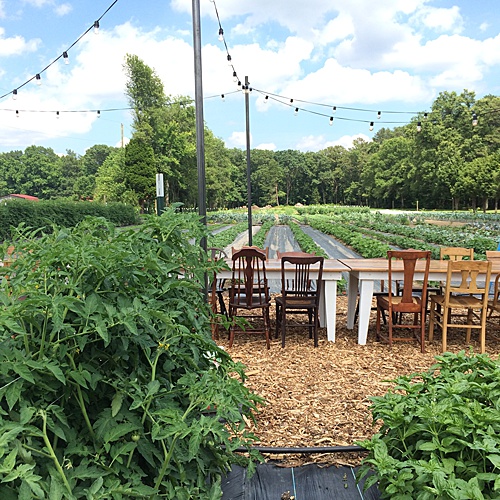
x: 249, y: 292
x: 406, y: 302
x: 468, y: 294
x: 264, y: 250
x: 300, y: 293
x: 494, y: 302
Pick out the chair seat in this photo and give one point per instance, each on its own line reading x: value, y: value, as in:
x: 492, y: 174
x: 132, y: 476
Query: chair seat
x: 297, y: 302
x: 465, y: 301
x: 397, y: 303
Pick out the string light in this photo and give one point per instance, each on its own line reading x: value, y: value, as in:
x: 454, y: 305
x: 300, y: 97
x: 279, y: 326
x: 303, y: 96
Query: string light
x: 57, y: 114
x: 379, y: 114
x: 425, y: 116
x: 17, y: 113
x: 223, y: 98
x: 296, y: 112
x: 334, y: 109
x: 65, y: 57
x: 96, y: 27
x: 235, y: 76
x: 419, y: 126
x: 331, y: 121
x: 14, y: 94
x: 98, y: 113
x: 221, y: 35
x: 474, y: 119
x: 371, y: 126
x: 229, y: 60
x: 38, y: 79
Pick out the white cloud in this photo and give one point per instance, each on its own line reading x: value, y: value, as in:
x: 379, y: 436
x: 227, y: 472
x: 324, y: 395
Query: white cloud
x: 267, y: 146
x: 237, y: 140
x: 17, y: 45
x: 319, y: 142
x: 441, y: 19
x: 63, y: 9
x: 484, y: 26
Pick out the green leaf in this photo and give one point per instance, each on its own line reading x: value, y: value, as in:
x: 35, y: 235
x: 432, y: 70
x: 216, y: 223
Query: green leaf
x: 26, y: 414
x: 116, y: 403
x: 23, y: 371
x: 57, y: 372
x: 96, y: 486
x: 119, y: 431
x: 13, y: 393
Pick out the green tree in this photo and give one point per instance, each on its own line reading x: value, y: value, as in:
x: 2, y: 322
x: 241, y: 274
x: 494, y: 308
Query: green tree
x: 140, y: 172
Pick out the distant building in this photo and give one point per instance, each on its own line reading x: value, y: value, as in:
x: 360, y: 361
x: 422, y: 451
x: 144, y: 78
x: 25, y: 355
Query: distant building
x: 19, y: 197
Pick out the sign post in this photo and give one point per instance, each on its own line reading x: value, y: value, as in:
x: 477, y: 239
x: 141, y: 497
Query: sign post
x: 160, y: 194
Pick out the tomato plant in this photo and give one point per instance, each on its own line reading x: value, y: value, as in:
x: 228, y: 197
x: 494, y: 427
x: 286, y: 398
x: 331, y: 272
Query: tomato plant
x: 107, y: 367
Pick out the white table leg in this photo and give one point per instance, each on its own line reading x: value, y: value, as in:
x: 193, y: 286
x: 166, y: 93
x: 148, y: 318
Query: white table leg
x: 365, y: 306
x: 352, y: 297
x: 328, y: 308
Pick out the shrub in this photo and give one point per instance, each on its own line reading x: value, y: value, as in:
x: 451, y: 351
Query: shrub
x: 440, y: 432
x: 108, y: 369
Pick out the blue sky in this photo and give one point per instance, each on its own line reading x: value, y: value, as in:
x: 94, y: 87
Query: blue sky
x: 394, y: 55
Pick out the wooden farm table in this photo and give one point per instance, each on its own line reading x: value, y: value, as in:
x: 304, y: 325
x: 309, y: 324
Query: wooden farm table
x: 332, y: 272
x: 364, y: 272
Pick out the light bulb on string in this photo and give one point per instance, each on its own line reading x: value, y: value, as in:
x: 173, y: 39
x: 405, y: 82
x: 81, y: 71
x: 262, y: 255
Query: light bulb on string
x: 223, y: 97
x: 474, y: 119
x: 239, y: 83
x: 291, y: 100
x: 221, y: 35
x: 371, y: 126
x: 419, y: 126
x: 266, y: 99
x: 98, y: 113
x: 65, y: 57
x: 379, y: 114
x: 38, y: 79
x: 57, y: 114
x: 235, y: 76
x: 334, y: 109
x: 331, y: 121
x: 17, y: 113
x: 425, y: 116
x: 96, y: 27
x: 296, y: 112
x: 14, y: 94
x: 229, y: 60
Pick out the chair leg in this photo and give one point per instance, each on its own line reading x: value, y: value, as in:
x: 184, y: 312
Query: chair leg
x: 267, y: 326
x: 278, y: 321
x: 446, y: 313
x: 310, y: 318
x: 283, y: 326
x: 316, y: 326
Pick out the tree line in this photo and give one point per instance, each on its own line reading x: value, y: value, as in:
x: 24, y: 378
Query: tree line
x: 440, y: 160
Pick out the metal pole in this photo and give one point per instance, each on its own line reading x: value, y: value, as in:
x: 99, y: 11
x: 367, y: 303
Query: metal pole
x: 249, y: 183
x: 200, y: 126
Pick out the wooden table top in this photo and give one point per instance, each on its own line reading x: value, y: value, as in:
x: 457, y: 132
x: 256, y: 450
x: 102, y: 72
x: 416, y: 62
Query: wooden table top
x: 382, y: 264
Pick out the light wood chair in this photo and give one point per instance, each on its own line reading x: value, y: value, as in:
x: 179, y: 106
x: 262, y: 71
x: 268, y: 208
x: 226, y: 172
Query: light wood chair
x: 407, y: 302
x: 494, y: 302
x: 469, y: 294
x: 249, y: 293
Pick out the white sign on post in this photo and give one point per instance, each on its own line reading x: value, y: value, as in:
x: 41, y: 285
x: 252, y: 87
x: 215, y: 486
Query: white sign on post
x: 159, y: 186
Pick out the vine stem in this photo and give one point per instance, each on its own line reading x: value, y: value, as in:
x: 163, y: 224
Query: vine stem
x: 52, y: 452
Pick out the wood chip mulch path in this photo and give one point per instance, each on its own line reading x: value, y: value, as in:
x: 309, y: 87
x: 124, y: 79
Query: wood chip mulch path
x: 320, y: 396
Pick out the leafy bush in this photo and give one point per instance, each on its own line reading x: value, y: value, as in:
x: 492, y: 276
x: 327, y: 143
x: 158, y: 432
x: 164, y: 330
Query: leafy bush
x: 110, y: 384
x: 440, y: 433
x: 44, y: 214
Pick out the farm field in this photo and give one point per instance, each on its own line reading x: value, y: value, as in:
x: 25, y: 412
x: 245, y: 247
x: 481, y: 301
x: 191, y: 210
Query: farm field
x: 320, y: 397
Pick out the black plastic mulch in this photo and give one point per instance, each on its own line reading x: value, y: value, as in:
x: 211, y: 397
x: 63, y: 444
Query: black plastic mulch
x: 307, y: 482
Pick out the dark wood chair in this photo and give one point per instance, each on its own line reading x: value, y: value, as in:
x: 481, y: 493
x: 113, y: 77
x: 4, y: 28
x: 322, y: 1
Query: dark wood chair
x: 301, y: 277
x: 249, y: 294
x: 469, y: 295
x: 405, y: 302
